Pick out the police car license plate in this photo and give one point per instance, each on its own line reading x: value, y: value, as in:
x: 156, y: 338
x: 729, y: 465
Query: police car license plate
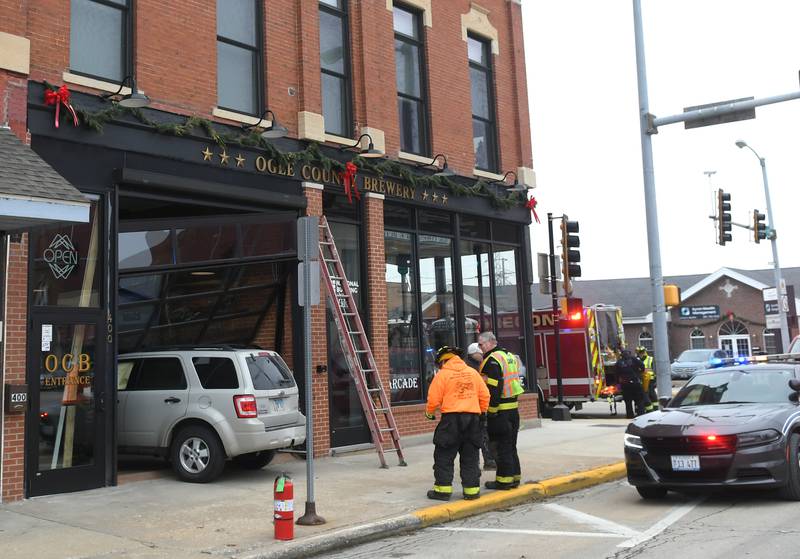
x: 685, y: 463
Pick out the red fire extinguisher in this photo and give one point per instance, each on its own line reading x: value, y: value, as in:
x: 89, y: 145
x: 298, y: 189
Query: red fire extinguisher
x: 283, y: 494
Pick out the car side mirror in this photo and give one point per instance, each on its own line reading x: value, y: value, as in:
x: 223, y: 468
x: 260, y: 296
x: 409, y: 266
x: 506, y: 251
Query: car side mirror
x: 794, y: 384
x: 794, y: 397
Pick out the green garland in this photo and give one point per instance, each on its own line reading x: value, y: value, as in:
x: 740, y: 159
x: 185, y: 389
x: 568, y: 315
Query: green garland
x: 312, y: 155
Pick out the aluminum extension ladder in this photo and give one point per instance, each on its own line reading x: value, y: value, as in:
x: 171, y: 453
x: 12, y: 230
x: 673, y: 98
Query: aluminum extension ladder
x: 374, y: 401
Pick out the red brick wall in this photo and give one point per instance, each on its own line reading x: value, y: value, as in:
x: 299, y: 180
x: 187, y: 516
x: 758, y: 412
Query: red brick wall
x: 319, y: 353
x: 13, y: 453
x: 176, y: 65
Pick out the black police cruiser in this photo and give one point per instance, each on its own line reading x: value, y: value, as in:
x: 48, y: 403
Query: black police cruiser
x: 737, y: 425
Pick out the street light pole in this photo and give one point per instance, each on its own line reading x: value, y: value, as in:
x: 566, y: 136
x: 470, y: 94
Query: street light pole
x: 774, y: 240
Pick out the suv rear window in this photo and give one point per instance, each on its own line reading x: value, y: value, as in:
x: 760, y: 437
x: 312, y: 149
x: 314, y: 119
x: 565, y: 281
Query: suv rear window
x: 216, y: 372
x: 269, y: 372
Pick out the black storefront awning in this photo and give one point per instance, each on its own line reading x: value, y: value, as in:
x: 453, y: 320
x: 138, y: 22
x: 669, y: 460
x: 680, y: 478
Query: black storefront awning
x: 31, y: 191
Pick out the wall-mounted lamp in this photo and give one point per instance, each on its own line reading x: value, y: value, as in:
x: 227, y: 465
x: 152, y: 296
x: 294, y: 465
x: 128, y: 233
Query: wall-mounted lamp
x: 445, y: 171
x: 516, y: 187
x: 275, y: 130
x: 134, y: 99
x: 370, y: 152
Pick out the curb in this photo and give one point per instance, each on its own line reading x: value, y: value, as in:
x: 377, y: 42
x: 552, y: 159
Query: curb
x: 439, y: 514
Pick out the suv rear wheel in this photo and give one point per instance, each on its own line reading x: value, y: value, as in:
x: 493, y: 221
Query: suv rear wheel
x: 197, y: 454
x: 254, y: 460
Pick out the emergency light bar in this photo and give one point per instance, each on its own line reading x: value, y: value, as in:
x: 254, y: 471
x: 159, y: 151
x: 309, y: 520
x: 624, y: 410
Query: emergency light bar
x: 776, y: 358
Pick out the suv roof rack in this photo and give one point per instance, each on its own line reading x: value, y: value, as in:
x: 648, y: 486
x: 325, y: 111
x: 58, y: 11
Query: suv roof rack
x: 200, y: 347
x: 755, y: 359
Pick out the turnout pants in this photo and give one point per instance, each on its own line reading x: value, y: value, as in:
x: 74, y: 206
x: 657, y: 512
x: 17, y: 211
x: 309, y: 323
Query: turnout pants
x: 632, y: 393
x: 503, y: 428
x: 457, y: 433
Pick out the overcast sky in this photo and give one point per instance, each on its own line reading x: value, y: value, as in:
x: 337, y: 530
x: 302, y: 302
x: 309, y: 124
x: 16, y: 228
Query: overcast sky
x: 581, y: 73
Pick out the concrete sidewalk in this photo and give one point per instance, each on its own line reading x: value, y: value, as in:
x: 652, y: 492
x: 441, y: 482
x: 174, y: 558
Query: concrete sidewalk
x: 233, y: 516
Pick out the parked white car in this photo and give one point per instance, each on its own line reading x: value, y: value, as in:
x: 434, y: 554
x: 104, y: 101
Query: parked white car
x: 199, y: 407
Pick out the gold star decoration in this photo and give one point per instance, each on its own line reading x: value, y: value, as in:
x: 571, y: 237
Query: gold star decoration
x: 424, y: 195
x: 444, y: 199
x: 239, y: 160
x: 223, y: 157
x: 207, y: 153
x: 435, y: 197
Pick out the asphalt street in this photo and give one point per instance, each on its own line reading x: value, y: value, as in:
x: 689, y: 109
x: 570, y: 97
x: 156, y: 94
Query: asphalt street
x: 610, y: 521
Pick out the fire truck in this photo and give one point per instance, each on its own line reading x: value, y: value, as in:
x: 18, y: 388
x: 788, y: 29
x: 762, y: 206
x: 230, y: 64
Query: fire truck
x: 590, y: 340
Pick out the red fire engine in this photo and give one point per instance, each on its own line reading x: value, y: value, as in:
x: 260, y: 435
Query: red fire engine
x: 589, y: 340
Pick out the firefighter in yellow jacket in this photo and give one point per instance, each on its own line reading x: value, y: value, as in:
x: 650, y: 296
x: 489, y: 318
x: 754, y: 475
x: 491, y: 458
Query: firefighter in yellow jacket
x: 460, y: 393
x: 648, y: 379
x: 501, y: 369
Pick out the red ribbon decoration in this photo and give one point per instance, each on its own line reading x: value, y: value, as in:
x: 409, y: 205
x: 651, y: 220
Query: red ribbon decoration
x: 60, y: 97
x: 348, y: 177
x: 531, y: 205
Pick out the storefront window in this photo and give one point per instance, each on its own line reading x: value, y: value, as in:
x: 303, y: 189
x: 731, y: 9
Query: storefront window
x: 509, y: 326
x: 401, y: 290
x: 213, y: 242
x: 476, y: 279
x: 140, y: 249
x: 438, y: 302
x: 66, y: 268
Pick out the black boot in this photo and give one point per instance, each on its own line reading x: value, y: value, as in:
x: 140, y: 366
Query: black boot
x: 497, y: 485
x: 436, y: 495
x: 472, y: 497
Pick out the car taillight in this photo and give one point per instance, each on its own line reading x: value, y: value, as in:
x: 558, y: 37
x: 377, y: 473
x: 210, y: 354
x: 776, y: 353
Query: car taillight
x: 245, y: 405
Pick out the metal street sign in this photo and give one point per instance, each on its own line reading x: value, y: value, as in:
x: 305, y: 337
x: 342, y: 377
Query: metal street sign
x: 308, y: 229
x: 694, y: 312
x: 314, y: 276
x: 719, y: 117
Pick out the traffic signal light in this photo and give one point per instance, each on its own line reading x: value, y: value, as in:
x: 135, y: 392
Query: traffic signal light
x: 759, y: 227
x: 570, y: 256
x: 724, y: 215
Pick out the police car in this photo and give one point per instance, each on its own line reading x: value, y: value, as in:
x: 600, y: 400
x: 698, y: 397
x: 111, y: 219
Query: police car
x: 736, y: 425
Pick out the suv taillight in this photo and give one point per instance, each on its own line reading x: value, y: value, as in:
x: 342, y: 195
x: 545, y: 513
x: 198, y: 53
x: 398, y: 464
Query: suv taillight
x: 245, y: 405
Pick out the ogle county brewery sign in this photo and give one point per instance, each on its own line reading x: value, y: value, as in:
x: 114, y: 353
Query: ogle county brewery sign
x: 61, y: 256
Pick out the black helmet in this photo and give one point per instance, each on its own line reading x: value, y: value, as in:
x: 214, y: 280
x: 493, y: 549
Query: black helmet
x: 446, y: 352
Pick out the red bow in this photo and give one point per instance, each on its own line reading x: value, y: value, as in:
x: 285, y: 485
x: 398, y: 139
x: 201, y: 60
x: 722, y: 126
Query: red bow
x: 60, y: 97
x: 531, y: 205
x: 348, y: 177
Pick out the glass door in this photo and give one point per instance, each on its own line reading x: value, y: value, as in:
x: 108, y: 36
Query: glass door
x: 347, y: 422
x: 67, y: 417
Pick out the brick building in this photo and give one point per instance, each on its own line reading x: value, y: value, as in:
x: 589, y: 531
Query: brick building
x: 190, y: 237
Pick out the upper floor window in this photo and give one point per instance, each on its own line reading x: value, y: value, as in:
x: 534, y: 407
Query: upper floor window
x: 334, y: 61
x: 484, y: 127
x: 239, y: 75
x: 99, y: 41
x: 411, y: 104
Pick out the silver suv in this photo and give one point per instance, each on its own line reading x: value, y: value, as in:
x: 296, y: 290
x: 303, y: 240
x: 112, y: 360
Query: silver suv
x: 201, y: 406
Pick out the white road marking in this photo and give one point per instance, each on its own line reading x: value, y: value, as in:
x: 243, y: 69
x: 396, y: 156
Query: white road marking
x: 662, y: 524
x: 532, y: 532
x: 593, y: 521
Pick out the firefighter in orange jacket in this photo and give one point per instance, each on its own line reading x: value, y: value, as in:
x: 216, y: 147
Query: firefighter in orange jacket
x: 460, y: 393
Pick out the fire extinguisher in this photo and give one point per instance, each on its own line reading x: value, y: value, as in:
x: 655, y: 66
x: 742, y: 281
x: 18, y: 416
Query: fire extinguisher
x: 283, y: 494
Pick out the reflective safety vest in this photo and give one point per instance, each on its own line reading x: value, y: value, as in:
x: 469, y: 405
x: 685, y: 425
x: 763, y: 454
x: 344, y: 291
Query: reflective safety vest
x: 512, y: 386
x: 648, y: 363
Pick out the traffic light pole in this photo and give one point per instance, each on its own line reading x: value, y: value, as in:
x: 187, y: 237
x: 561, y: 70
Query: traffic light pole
x: 660, y: 342
x: 648, y: 125
x: 560, y: 412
